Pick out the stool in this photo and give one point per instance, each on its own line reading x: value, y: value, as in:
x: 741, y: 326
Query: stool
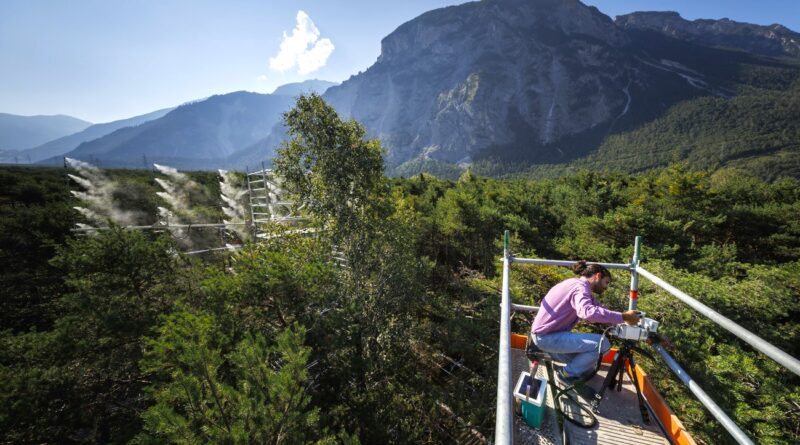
x: 535, y: 356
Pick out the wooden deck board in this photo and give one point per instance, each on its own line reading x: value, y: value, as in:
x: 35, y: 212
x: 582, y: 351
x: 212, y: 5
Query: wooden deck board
x: 619, y: 420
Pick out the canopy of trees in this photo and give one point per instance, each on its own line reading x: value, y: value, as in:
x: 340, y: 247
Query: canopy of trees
x: 382, y: 326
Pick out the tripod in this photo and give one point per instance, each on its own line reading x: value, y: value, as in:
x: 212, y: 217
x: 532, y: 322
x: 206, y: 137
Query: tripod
x: 617, y: 372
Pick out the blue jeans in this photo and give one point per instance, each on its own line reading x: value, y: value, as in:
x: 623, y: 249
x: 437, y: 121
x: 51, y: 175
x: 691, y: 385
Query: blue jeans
x: 576, y: 349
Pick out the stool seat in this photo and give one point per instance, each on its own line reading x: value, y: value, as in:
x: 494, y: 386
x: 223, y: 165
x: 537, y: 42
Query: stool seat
x: 535, y: 354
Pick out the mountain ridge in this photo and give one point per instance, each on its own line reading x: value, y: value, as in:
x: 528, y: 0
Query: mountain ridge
x: 304, y: 87
x: 772, y: 40
x: 21, y: 132
x: 199, y: 134
x: 560, y: 71
x: 208, y: 133
x: 67, y: 143
x: 596, y: 83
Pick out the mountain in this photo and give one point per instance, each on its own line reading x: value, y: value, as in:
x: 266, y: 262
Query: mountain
x: 538, y: 81
x: 774, y: 40
x: 262, y: 151
x: 198, y: 135
x: 21, y: 132
x: 506, y: 84
x: 305, y: 87
x: 64, y: 144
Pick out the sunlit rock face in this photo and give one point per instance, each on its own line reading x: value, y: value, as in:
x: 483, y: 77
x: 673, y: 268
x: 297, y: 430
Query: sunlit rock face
x: 539, y: 80
x: 462, y: 79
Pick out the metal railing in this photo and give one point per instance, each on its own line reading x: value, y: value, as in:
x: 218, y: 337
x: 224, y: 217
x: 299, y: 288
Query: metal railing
x: 504, y: 415
x: 757, y: 342
x: 504, y: 422
x: 160, y: 227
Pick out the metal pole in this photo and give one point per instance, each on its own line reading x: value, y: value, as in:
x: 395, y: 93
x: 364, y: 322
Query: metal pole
x: 634, y: 294
x: 253, y: 232
x: 504, y: 422
x: 757, y: 342
x: 567, y: 263
x: 713, y: 408
x: 524, y: 308
x: 266, y: 191
x: 215, y: 249
x: 158, y: 226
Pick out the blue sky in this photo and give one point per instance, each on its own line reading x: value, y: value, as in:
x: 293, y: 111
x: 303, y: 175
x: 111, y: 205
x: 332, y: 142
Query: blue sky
x: 102, y: 60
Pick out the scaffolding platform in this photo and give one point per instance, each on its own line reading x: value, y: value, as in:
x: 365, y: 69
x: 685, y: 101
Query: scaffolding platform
x: 619, y: 420
x: 619, y: 417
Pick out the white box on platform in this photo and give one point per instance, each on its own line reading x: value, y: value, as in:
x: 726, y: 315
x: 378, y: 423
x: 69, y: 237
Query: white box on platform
x: 531, y: 395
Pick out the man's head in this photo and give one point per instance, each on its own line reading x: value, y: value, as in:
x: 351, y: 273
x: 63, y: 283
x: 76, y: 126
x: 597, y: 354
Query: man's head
x: 599, y: 282
x: 596, y: 275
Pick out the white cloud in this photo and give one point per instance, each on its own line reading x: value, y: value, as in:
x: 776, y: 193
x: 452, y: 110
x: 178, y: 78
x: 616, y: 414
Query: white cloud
x: 303, y: 48
x: 262, y: 77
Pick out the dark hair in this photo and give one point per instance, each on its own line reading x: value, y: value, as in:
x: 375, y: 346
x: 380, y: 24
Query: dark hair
x: 588, y: 270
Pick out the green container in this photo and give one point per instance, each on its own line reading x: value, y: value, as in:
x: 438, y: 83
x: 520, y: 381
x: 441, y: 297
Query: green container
x: 532, y: 401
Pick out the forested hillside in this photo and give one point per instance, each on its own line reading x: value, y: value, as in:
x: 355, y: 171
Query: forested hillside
x: 118, y: 338
x: 756, y: 130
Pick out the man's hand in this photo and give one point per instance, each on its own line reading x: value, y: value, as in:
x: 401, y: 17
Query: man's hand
x: 631, y: 317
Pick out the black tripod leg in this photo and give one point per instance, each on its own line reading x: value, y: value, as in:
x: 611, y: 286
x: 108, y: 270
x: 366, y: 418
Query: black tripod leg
x: 608, y: 382
x: 642, y: 407
x: 621, y: 372
x: 611, y: 377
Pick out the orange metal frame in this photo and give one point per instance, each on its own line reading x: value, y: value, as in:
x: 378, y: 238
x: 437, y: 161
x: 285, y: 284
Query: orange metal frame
x: 673, y: 426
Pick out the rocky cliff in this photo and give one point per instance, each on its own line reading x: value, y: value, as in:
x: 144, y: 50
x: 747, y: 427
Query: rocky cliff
x: 535, y: 80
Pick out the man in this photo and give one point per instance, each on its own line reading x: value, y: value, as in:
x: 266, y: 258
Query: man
x: 562, y: 307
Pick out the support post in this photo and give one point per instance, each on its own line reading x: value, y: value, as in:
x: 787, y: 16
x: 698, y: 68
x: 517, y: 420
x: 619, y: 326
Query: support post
x: 253, y: 230
x: 634, y: 293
